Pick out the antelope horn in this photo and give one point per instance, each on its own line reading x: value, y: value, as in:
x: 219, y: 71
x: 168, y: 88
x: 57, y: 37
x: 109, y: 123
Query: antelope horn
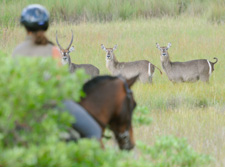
x: 70, y: 41
x: 58, y: 42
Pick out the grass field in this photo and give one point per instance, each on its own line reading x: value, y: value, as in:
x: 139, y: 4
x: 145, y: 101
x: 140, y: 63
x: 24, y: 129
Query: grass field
x: 78, y: 11
x: 193, y: 111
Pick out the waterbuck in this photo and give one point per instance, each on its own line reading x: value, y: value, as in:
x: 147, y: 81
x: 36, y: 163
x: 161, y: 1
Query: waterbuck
x: 89, y: 69
x: 189, y: 71
x: 143, y: 68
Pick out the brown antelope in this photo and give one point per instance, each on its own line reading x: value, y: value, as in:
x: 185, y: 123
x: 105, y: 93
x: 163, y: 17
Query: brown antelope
x: 89, y: 69
x: 189, y: 71
x: 143, y: 68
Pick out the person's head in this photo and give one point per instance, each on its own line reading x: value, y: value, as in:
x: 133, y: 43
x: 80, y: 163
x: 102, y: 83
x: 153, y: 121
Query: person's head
x: 35, y: 18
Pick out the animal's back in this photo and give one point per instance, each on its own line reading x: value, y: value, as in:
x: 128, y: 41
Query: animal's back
x: 189, y: 71
x: 89, y: 69
x: 131, y: 69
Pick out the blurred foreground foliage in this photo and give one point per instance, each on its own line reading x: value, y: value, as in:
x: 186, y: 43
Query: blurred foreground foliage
x: 141, y: 116
x: 30, y: 124
x: 172, y: 151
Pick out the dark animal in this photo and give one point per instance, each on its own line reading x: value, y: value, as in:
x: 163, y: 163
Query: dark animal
x: 110, y: 102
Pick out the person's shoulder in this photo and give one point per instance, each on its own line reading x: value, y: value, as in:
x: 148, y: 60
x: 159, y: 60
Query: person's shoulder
x: 18, y: 49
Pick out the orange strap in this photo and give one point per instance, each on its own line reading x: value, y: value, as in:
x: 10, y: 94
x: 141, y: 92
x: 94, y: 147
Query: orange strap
x: 56, y: 55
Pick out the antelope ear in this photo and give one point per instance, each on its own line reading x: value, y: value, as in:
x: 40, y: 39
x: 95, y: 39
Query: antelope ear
x: 103, y: 47
x: 115, y: 47
x: 169, y: 45
x: 132, y: 80
x: 71, y: 49
x: 157, y: 46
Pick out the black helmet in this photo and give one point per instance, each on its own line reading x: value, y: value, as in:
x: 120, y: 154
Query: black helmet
x: 35, y: 17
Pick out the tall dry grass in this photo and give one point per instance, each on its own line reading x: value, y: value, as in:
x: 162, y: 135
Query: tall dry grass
x: 77, y: 11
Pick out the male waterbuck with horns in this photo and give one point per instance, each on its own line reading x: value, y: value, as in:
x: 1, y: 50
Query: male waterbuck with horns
x: 189, y: 71
x: 143, y: 68
x: 89, y: 69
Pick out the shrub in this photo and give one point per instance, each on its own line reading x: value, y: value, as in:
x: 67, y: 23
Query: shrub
x: 29, y: 91
x: 172, y: 151
x: 141, y: 116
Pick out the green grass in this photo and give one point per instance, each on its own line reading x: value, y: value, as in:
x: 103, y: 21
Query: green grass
x: 194, y: 111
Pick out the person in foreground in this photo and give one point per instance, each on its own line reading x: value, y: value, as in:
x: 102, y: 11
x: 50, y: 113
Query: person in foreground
x: 35, y: 19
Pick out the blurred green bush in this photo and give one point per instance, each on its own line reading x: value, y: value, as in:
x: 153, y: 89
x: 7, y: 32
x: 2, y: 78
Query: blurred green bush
x: 30, y: 90
x: 172, y: 151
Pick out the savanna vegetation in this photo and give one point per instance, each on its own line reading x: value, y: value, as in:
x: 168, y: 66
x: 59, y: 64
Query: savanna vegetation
x: 174, y: 124
x: 103, y: 11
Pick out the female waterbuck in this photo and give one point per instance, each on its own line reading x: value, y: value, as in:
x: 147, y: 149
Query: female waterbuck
x: 189, y: 71
x: 143, y: 68
x: 89, y: 69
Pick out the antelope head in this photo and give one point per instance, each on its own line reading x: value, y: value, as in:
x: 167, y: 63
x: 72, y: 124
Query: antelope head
x: 109, y: 52
x: 65, y: 52
x: 164, y: 51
